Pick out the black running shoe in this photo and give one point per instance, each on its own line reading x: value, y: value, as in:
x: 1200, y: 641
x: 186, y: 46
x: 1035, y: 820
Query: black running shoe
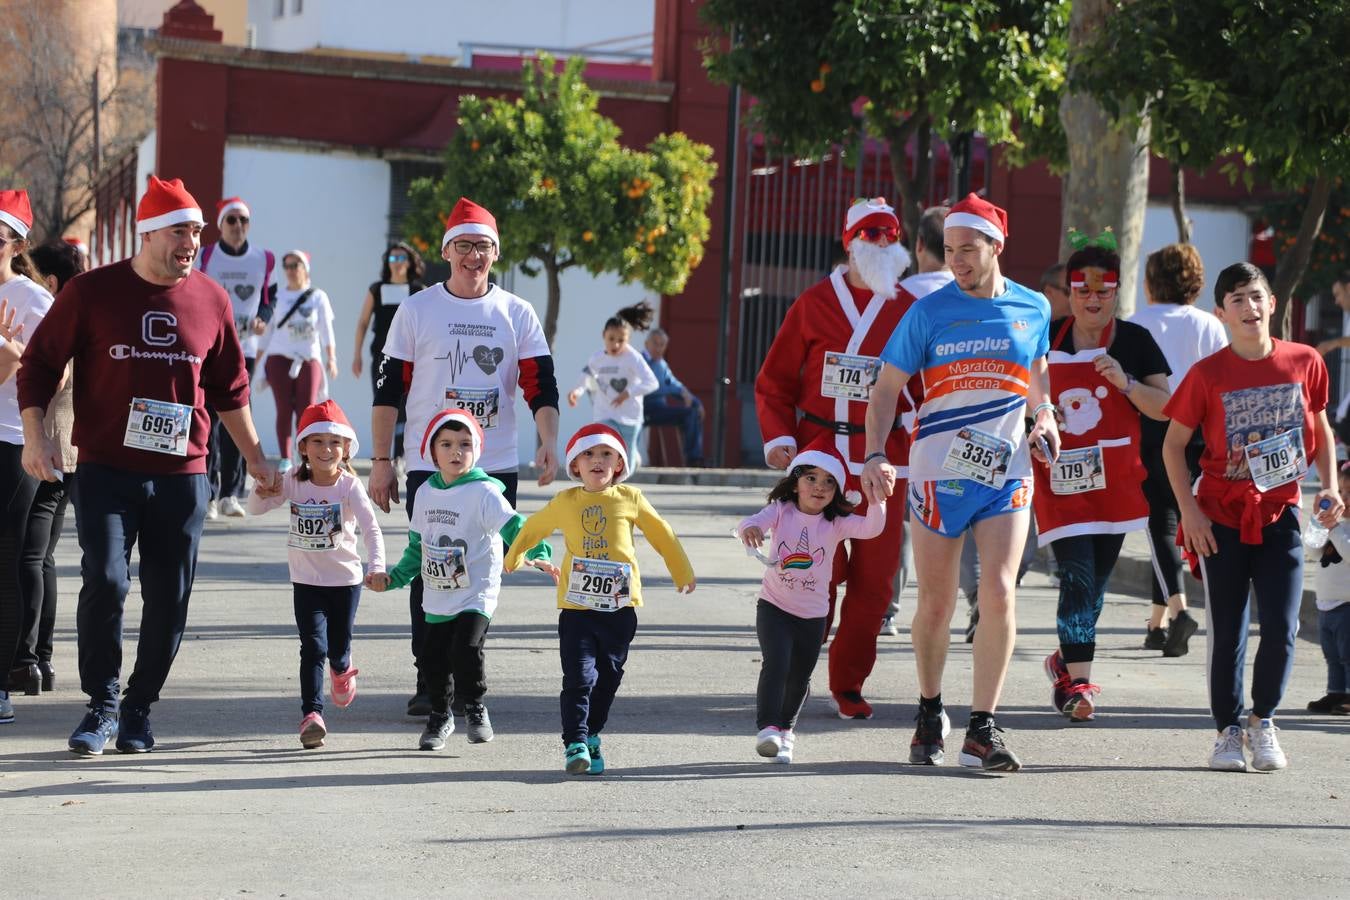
x: 927, y: 747
x: 984, y: 749
x: 1329, y: 704
x: 1179, y: 635
x: 1155, y: 639
x: 439, y: 727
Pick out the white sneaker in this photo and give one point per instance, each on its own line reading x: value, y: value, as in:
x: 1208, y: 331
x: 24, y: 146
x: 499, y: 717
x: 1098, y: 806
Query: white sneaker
x: 769, y: 741
x: 212, y: 511
x: 889, y: 627
x: 1266, y: 753
x: 785, y: 747
x: 1227, y: 755
x: 231, y: 506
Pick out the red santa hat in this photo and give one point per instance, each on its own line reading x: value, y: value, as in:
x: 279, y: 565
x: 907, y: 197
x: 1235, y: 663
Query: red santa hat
x: 327, y: 418
x: 445, y: 417
x: 869, y: 212
x: 468, y: 219
x: 822, y: 454
x: 301, y: 255
x: 596, y: 435
x: 978, y: 213
x: 16, y: 212
x: 166, y: 203
x: 229, y: 205
x: 77, y: 244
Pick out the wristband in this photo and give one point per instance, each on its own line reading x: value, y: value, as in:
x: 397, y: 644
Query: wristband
x: 1040, y: 406
x: 874, y: 455
x: 1130, y: 382
x: 380, y: 459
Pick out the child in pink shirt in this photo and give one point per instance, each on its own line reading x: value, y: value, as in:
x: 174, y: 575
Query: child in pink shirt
x: 326, y: 502
x: 808, y: 516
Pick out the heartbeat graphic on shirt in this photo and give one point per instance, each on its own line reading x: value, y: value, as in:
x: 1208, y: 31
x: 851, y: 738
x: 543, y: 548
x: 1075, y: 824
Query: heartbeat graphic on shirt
x: 458, y: 359
x: 486, y: 358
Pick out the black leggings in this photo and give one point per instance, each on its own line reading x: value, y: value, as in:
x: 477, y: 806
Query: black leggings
x: 1163, y: 516
x: 789, y: 647
x: 37, y: 572
x: 16, y: 496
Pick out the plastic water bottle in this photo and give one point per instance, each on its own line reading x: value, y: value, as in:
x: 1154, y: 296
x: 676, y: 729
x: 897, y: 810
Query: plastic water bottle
x: 1315, y: 534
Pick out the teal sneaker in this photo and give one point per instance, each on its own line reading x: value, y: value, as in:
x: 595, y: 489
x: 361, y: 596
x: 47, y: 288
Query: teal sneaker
x: 577, y: 758
x: 597, y: 760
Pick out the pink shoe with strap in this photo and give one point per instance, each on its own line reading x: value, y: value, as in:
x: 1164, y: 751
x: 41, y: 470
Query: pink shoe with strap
x: 344, y: 686
x: 312, y: 731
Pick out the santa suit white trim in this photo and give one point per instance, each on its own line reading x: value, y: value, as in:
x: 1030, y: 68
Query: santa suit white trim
x: 862, y: 323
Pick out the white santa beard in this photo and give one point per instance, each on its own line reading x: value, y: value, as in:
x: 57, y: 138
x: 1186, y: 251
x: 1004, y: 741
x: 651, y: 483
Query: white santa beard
x: 879, y: 267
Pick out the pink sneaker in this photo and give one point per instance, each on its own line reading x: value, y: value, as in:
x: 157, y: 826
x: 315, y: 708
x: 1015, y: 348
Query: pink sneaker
x: 312, y: 731
x: 344, y: 686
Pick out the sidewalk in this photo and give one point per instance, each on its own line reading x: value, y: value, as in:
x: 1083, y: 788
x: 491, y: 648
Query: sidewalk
x: 228, y: 805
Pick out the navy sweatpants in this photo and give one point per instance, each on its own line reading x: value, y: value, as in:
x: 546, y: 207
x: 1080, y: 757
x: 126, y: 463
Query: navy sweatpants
x: 593, y: 647
x: 325, y: 616
x: 114, y: 511
x: 1273, y: 570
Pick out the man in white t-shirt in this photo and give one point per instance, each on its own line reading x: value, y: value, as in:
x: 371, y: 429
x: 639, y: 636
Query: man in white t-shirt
x: 462, y: 343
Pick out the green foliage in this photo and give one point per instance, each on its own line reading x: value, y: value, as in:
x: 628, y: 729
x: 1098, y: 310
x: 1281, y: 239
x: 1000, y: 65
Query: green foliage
x: 1262, y: 79
x: 824, y: 72
x: 565, y: 192
x: 1331, y: 249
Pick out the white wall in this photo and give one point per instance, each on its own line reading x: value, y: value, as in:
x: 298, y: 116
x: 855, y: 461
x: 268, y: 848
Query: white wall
x: 1222, y: 234
x: 437, y: 27
x: 335, y: 206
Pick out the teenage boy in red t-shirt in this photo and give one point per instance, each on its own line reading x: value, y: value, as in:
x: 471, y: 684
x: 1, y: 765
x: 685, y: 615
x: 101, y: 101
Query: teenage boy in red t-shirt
x: 1261, y: 405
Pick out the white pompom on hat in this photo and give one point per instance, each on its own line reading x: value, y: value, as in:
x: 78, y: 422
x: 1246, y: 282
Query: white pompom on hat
x: 468, y: 219
x: 978, y: 213
x: 16, y: 212
x: 596, y: 435
x: 444, y: 417
x: 327, y: 418
x: 229, y: 205
x: 869, y: 212
x: 166, y: 203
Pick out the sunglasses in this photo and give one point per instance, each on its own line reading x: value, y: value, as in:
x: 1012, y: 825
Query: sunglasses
x: 397, y: 257
x: 236, y: 220
x: 876, y: 233
x: 464, y: 248
x: 290, y: 265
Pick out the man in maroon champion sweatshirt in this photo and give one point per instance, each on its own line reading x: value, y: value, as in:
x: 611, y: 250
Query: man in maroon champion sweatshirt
x: 153, y: 342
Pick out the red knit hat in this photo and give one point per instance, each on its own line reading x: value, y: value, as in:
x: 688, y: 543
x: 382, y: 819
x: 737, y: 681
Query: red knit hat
x: 327, y: 418
x: 596, y: 435
x: 471, y: 220
x: 229, y: 205
x: 869, y: 212
x: 16, y: 212
x: 822, y: 454
x: 444, y: 417
x: 77, y: 244
x: 166, y: 203
x: 978, y: 213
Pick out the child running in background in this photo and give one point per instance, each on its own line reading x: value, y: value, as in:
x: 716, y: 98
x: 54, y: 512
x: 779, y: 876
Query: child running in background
x: 1332, y: 580
x: 808, y: 516
x: 598, y: 601
x: 452, y: 543
x: 617, y: 375
x: 327, y: 503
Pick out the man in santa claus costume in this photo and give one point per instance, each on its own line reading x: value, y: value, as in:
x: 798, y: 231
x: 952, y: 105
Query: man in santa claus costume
x: 815, y: 381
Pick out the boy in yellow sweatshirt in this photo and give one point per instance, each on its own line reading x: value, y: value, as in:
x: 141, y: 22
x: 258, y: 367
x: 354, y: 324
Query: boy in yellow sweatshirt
x: 600, y: 588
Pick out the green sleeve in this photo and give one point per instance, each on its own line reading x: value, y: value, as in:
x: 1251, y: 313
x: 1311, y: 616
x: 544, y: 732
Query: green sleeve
x: 410, y: 566
x: 542, y: 550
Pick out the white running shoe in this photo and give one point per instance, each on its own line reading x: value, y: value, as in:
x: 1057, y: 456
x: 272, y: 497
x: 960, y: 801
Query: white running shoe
x: 769, y: 741
x: 785, y: 748
x: 1266, y: 753
x: 231, y: 506
x: 1227, y: 755
x: 212, y: 510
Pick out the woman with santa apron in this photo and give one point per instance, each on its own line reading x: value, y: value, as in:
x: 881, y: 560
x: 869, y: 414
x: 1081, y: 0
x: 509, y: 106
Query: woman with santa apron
x: 1103, y: 373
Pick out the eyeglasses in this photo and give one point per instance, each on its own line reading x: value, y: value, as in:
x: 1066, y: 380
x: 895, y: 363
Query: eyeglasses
x: 290, y: 265
x: 876, y: 233
x: 397, y: 257
x: 464, y: 248
x: 236, y: 220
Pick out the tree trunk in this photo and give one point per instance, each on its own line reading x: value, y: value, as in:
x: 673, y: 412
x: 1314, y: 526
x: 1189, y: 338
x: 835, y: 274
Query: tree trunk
x: 1107, y: 182
x: 913, y: 190
x: 552, y: 270
x: 1178, y: 191
x: 1293, y: 264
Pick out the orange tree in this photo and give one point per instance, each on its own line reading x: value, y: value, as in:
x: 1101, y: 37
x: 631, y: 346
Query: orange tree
x: 566, y: 193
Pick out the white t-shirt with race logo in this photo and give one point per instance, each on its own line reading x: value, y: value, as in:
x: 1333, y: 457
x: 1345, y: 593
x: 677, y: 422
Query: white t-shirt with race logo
x: 465, y: 353
x: 462, y: 522
x: 606, y: 377
x: 29, y: 301
x: 306, y: 332
x: 244, y: 278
